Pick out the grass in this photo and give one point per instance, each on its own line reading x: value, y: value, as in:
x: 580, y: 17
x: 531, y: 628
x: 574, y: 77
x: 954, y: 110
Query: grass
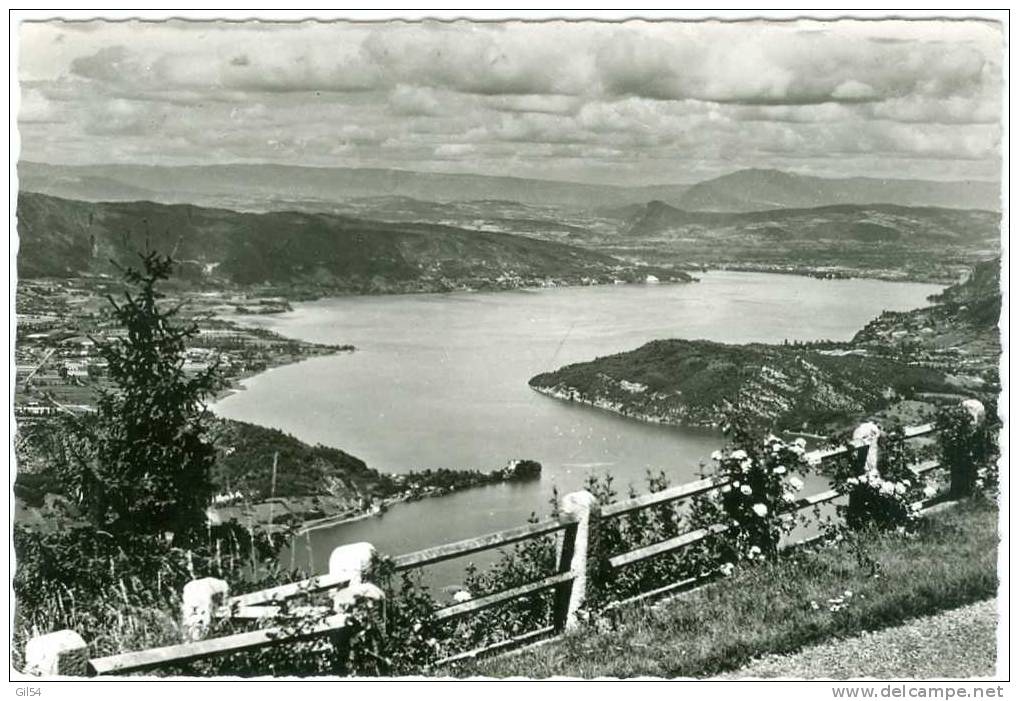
x: 958, y: 643
x: 767, y: 609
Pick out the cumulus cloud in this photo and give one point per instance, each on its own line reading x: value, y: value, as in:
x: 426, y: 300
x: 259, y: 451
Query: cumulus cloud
x: 587, y: 98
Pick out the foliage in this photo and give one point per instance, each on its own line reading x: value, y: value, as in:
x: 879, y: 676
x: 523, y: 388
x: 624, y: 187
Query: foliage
x: 693, y: 382
x: 124, y: 594
x: 763, y: 475
x: 885, y: 497
x: 141, y: 462
x: 634, y: 530
x: 776, y: 608
x: 244, y: 456
x: 968, y: 448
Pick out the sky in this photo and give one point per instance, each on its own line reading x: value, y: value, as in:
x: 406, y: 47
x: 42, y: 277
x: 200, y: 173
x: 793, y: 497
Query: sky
x: 631, y: 103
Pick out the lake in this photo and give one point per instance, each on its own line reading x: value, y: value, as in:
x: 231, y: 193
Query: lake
x: 440, y: 380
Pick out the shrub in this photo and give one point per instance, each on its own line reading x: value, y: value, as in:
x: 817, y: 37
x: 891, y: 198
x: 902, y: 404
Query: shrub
x: 967, y: 446
x: 141, y: 463
x: 884, y: 497
x: 764, y: 476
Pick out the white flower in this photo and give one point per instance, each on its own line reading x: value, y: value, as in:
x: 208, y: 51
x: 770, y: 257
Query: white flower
x: 887, y: 488
x: 929, y: 491
x: 735, y: 483
x: 726, y: 489
x: 462, y: 596
x: 727, y: 569
x: 746, y: 490
x: 796, y: 483
x: 753, y: 552
x: 745, y: 465
x: 900, y: 488
x: 780, y: 470
x: 814, y: 605
x: 761, y: 510
x: 800, y: 442
x: 738, y: 455
x: 717, y: 455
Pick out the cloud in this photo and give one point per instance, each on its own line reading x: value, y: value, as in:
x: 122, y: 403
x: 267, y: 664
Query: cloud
x: 417, y: 102
x: 643, y: 100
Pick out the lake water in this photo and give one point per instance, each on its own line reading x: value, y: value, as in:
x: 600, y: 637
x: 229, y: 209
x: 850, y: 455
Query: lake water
x: 440, y: 380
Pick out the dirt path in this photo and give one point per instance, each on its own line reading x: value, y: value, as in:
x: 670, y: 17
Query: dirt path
x: 958, y: 643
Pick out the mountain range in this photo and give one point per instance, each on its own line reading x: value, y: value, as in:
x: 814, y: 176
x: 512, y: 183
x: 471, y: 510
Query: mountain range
x: 60, y: 237
x: 760, y: 189
x: 261, y: 186
x: 874, y: 223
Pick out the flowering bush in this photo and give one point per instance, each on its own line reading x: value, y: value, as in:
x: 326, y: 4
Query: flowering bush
x: 756, y: 502
x: 882, y: 495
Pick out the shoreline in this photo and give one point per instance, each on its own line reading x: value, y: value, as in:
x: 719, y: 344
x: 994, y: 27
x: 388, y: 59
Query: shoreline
x: 607, y: 406
x: 824, y: 273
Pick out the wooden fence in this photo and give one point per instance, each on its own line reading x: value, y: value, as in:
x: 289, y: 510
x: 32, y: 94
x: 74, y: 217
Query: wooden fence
x: 575, y: 530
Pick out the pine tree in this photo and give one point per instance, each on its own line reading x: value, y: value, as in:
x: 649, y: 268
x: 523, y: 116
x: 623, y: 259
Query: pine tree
x: 141, y: 463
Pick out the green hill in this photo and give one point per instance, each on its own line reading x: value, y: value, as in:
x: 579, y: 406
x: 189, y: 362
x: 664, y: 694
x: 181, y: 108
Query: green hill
x: 869, y: 240
x: 61, y: 237
x: 944, y: 351
x: 691, y: 382
x: 958, y: 334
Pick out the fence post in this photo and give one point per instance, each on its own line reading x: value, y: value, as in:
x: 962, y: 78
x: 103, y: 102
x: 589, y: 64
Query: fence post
x: 868, y: 433
x: 353, y: 561
x: 963, y: 471
x: 578, y: 554
x: 200, y: 601
x: 61, y: 653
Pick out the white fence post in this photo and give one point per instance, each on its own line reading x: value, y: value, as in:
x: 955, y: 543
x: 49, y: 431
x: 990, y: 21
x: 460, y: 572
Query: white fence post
x: 200, y: 600
x: 577, y: 555
x: 354, y: 562
x: 61, y: 653
x: 869, y: 433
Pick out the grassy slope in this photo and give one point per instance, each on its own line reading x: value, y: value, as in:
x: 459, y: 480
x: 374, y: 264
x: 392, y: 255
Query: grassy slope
x: 766, y: 609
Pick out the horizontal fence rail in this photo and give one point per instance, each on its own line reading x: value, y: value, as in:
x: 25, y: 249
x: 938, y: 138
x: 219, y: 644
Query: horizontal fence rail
x: 470, y: 546
x: 190, y: 652
x: 683, y: 491
x: 490, y: 600
x: 575, y: 530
